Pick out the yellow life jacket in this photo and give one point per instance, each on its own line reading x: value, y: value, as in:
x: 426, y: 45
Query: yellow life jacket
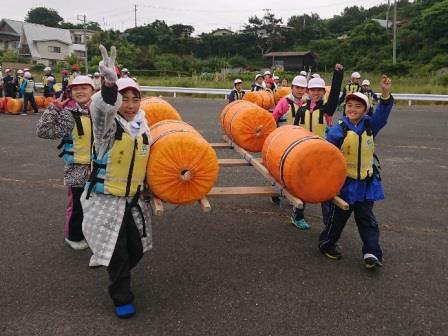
x: 293, y: 109
x: 239, y: 95
x: 77, y: 146
x: 121, y: 171
x: 369, y: 95
x: 351, y: 88
x: 312, y: 121
x: 358, y: 151
x: 57, y: 87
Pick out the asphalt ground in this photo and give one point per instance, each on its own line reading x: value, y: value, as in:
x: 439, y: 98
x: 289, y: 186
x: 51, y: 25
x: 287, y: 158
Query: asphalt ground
x: 241, y: 269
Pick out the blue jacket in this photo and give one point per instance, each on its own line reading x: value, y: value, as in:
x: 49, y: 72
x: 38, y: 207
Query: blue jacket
x: 369, y: 189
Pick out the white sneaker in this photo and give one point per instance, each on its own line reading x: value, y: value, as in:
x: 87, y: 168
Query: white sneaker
x: 81, y: 245
x: 93, y: 263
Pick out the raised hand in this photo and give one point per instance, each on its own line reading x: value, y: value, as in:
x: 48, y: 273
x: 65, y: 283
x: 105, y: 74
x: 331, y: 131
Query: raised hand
x: 107, y: 64
x: 385, y: 84
x: 60, y: 102
x: 338, y: 67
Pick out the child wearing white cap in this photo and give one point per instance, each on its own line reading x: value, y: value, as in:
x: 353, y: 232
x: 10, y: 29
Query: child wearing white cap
x: 316, y: 116
x: 258, y: 84
x: 69, y: 120
x: 237, y: 93
x: 372, y: 96
x: 353, y: 86
x: 354, y: 134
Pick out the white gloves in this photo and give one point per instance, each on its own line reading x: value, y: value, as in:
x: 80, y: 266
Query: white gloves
x: 107, y: 65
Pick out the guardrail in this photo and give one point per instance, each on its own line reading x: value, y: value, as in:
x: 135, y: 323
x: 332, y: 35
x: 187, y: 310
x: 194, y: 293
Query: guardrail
x: 410, y: 97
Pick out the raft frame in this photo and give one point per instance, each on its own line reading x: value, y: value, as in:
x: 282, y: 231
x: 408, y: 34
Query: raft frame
x: 244, y: 191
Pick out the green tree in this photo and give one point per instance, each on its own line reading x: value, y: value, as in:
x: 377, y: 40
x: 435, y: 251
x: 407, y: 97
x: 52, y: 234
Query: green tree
x: 435, y: 20
x: 91, y: 25
x: 266, y: 31
x: 44, y: 16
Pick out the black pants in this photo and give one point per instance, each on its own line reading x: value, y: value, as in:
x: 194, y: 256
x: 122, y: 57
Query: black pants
x: 367, y: 227
x: 29, y: 97
x: 74, y: 214
x: 128, y: 252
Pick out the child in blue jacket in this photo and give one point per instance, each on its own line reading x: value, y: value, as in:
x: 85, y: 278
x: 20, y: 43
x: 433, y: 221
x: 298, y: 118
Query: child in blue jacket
x: 354, y: 134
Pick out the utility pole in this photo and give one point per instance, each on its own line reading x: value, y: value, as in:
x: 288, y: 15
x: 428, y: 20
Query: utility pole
x: 83, y: 19
x: 387, y: 14
x: 135, y: 15
x: 394, y: 46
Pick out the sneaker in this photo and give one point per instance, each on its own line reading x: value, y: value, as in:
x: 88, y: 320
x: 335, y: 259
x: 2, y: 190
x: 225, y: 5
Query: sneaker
x: 275, y: 200
x: 300, y: 224
x: 332, y: 254
x: 371, y: 263
x: 81, y: 245
x: 93, y: 263
x: 125, y: 311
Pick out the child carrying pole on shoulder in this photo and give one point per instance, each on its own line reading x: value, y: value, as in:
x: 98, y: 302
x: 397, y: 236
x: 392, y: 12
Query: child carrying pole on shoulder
x: 117, y: 222
x: 354, y: 135
x: 316, y: 116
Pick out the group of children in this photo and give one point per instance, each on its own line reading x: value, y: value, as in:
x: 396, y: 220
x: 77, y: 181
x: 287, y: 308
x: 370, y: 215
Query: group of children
x: 354, y: 134
x: 22, y: 85
x: 105, y: 144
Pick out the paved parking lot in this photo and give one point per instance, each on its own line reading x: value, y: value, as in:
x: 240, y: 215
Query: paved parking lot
x: 241, y: 269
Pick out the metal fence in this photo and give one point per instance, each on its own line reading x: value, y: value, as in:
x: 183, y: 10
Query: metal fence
x: 409, y: 97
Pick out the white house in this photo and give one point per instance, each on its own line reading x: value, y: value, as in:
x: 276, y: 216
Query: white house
x: 45, y: 45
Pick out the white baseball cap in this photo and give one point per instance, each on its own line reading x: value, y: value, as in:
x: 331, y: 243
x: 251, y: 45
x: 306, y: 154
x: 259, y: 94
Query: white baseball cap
x: 237, y: 81
x: 356, y: 75
x: 316, y: 83
x: 315, y: 75
x: 267, y: 72
x: 359, y: 97
x: 365, y: 82
x: 20, y: 71
x: 47, y: 69
x: 82, y: 80
x: 300, y: 81
x: 303, y: 73
x: 27, y: 75
x: 276, y: 78
x: 124, y: 70
x: 258, y: 75
x: 127, y: 83
x: 96, y: 74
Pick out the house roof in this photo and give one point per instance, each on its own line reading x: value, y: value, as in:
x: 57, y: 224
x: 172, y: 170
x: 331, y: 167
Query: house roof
x: 287, y: 53
x: 15, y: 25
x: 38, y: 33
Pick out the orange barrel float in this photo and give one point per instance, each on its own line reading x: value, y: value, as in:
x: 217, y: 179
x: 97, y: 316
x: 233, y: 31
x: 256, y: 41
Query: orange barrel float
x: 310, y: 168
x: 12, y: 105
x: 48, y: 101
x: 40, y: 101
x: 157, y: 109
x: 247, y: 124
x: 262, y: 98
x: 182, y: 166
x: 281, y: 92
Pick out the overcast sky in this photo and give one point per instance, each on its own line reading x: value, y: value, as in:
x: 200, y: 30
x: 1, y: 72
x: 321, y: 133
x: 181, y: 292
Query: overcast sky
x: 203, y: 15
